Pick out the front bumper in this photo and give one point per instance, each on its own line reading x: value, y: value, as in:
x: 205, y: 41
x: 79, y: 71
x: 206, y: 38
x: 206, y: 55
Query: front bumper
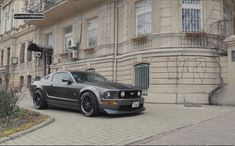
x: 121, y: 106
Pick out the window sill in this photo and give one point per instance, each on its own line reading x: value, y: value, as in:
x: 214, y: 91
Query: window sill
x: 195, y: 34
x: 63, y: 54
x: 140, y: 39
x: 89, y: 50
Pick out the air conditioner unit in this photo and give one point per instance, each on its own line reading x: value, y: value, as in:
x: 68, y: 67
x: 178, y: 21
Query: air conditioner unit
x: 69, y: 43
x: 73, y: 54
x: 38, y: 55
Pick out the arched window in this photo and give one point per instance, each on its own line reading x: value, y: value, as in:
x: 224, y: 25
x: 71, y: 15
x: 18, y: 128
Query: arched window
x: 142, y: 77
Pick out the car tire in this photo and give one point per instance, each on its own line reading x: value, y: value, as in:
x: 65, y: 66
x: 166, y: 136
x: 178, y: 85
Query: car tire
x: 39, y: 101
x: 89, y: 105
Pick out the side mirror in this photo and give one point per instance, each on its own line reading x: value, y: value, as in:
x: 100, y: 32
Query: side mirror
x: 78, y: 80
x: 67, y: 81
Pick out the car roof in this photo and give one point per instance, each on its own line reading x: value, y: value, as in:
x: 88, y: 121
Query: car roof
x: 71, y: 71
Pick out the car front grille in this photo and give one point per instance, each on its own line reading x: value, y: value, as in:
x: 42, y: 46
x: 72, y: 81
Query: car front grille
x: 129, y: 95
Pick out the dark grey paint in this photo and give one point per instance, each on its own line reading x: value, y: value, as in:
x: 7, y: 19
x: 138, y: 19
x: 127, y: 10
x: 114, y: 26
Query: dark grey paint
x: 68, y: 95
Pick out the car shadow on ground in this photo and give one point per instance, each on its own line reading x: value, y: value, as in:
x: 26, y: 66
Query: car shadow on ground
x: 101, y: 114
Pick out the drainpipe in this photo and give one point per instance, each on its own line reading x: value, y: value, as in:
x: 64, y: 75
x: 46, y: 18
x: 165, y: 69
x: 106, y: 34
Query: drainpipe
x: 115, y: 39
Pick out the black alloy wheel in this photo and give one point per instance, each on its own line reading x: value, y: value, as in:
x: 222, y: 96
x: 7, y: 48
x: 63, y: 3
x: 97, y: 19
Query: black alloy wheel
x: 38, y: 100
x: 89, y: 105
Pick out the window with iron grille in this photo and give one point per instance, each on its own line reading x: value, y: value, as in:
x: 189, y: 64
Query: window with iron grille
x: 22, y: 53
x: 143, y: 11
x: 191, y: 16
x: 50, y: 41
x: 142, y: 77
x: 67, y: 36
x: 228, y: 23
x: 92, y: 33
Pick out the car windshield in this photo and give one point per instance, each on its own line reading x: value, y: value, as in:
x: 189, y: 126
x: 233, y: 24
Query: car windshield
x: 88, y: 76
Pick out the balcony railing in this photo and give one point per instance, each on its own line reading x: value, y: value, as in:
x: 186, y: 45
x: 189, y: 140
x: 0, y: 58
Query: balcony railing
x: 43, y: 6
x: 224, y: 28
x: 151, y: 42
x: 172, y: 40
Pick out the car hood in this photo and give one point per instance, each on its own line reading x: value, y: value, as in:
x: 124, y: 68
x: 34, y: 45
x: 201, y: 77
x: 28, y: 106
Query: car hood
x: 111, y: 85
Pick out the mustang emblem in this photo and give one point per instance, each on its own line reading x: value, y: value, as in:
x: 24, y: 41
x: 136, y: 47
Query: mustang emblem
x: 132, y: 93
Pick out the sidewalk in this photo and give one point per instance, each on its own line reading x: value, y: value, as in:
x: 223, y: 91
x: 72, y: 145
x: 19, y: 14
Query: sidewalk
x: 216, y: 131
x: 71, y: 127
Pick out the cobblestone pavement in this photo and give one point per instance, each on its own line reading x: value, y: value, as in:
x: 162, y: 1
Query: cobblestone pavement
x: 217, y: 131
x: 71, y: 127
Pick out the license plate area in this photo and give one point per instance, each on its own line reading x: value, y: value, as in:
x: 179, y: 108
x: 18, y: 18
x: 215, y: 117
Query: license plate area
x: 135, y: 104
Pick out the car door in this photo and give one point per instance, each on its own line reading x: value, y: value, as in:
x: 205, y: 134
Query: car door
x: 47, y: 84
x: 59, y: 89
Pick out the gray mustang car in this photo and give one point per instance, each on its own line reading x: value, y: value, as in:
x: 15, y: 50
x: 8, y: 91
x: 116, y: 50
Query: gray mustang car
x: 88, y: 92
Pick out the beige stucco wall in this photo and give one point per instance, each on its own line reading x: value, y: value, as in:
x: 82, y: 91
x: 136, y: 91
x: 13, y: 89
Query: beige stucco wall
x: 175, y: 78
x: 178, y: 73
x: 226, y: 95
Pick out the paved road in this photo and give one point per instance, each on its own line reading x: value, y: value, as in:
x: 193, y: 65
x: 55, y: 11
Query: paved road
x: 217, y: 131
x: 70, y: 127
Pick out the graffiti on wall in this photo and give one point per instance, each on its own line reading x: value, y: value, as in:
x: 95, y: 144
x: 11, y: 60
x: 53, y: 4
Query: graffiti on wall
x: 190, y: 68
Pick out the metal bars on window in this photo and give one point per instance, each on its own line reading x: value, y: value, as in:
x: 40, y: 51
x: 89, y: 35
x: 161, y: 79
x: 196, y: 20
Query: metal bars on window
x: 229, y: 21
x: 68, y: 36
x: 191, y: 16
x: 142, y: 77
x: 92, y: 33
x: 143, y: 10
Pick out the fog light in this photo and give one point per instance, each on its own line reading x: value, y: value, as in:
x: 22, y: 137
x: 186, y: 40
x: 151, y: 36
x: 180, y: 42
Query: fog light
x: 109, y: 102
x: 138, y: 93
x: 107, y: 95
x: 122, y: 94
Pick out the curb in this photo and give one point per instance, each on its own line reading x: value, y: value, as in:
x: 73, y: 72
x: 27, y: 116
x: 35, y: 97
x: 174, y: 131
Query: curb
x: 146, y: 140
x: 21, y: 133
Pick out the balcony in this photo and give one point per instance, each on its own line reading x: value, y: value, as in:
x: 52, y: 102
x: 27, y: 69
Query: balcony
x: 59, y: 10
x: 172, y: 40
x: 224, y: 28
x: 43, y: 6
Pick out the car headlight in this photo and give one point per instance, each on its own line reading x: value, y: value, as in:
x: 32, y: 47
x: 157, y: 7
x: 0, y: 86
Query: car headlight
x: 139, y: 93
x: 122, y: 94
x: 107, y: 95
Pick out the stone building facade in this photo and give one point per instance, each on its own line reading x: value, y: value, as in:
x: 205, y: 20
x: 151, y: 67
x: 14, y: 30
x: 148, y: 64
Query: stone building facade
x: 173, y: 49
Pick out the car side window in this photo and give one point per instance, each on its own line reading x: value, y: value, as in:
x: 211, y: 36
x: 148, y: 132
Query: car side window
x: 47, y: 77
x: 58, y: 77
